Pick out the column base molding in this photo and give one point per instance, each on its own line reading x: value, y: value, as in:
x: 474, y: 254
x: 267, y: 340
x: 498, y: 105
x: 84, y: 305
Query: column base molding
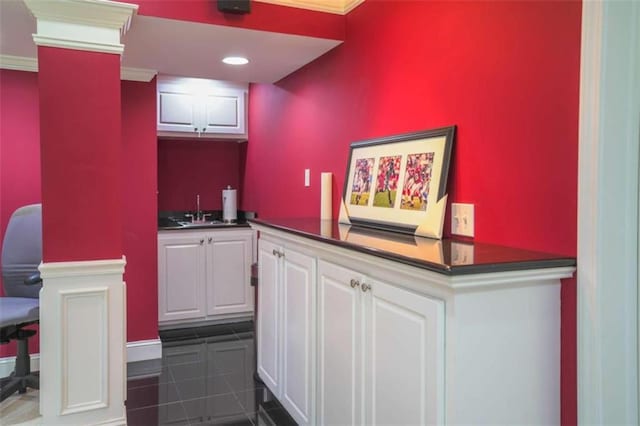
x: 83, y: 342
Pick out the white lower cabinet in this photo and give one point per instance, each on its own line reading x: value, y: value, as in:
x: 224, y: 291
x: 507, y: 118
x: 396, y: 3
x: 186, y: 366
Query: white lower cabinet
x: 349, y: 338
x: 204, y: 275
x: 285, y: 327
x: 381, y: 351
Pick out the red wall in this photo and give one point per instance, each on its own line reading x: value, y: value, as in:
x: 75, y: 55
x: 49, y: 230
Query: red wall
x: 140, y: 226
x: 81, y: 157
x: 506, y: 73
x: 19, y: 155
x: 191, y: 167
x: 20, y: 184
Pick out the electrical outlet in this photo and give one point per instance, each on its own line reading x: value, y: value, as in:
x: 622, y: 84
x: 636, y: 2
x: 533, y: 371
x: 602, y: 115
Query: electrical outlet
x: 462, y: 220
x: 307, y: 177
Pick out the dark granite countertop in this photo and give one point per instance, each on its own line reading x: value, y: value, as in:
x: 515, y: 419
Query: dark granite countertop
x: 177, y: 221
x: 447, y: 256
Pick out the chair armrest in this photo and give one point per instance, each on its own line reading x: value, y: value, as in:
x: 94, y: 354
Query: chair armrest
x: 33, y: 279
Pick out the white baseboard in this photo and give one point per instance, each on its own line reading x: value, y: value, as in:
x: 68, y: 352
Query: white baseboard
x: 7, y: 364
x: 141, y: 350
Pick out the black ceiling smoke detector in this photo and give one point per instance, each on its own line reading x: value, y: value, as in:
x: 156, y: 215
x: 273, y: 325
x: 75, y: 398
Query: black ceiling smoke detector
x: 234, y: 6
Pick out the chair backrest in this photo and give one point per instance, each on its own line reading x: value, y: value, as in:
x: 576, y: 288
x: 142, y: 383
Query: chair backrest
x: 22, y: 251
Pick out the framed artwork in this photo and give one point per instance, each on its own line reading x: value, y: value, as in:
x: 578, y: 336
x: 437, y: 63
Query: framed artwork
x: 399, y: 182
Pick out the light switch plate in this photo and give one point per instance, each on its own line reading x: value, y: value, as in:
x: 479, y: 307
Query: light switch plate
x: 307, y: 177
x: 462, y: 219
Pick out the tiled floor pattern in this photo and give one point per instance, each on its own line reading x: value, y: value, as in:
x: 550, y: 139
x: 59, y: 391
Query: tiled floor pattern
x: 206, y: 377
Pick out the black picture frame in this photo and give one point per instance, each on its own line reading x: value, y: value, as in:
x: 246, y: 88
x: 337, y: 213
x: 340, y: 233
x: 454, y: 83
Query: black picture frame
x: 399, y: 183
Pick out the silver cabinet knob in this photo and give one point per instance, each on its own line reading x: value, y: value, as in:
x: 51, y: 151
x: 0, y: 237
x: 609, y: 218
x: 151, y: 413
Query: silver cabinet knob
x: 365, y: 287
x: 210, y: 240
x: 201, y: 241
x: 275, y: 252
x: 354, y: 283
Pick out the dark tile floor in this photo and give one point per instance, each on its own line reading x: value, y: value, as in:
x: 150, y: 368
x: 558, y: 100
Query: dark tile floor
x: 205, y: 377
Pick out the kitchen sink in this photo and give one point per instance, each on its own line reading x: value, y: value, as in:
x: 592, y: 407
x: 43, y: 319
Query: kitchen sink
x: 200, y: 224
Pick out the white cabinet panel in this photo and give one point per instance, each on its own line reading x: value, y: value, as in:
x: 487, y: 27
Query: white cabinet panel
x: 224, y: 112
x: 181, y: 278
x: 229, y: 274
x: 177, y: 112
x: 405, y: 357
x: 298, y: 335
x: 268, y: 317
x: 339, y: 346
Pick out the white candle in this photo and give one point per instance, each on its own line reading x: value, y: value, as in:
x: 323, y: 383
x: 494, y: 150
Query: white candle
x: 325, y: 195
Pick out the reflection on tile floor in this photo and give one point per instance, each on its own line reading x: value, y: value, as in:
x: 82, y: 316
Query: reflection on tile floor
x: 205, y: 377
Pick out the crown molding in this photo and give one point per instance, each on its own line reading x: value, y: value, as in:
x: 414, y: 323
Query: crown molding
x: 137, y: 74
x: 18, y: 63
x: 22, y: 63
x: 339, y: 7
x: 93, y: 25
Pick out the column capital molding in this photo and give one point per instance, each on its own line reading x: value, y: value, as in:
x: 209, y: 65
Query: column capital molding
x: 91, y: 25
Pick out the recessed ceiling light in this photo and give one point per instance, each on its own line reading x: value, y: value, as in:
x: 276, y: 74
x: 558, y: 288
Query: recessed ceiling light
x: 235, y: 60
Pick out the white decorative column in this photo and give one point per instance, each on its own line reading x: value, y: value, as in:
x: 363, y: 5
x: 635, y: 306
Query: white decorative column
x: 608, y: 215
x: 83, y: 300
x: 83, y: 343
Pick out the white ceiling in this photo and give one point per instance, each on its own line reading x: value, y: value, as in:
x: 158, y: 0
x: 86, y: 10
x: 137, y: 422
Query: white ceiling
x: 184, y: 48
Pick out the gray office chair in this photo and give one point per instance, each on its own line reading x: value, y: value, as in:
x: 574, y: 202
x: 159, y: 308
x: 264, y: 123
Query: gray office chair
x: 21, y: 255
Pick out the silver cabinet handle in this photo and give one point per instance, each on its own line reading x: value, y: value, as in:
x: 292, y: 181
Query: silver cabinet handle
x: 275, y: 252
x: 210, y: 240
x: 278, y: 253
x: 365, y: 287
x: 201, y: 241
x: 354, y: 283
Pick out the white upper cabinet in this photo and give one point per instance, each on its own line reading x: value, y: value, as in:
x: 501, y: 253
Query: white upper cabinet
x: 192, y: 107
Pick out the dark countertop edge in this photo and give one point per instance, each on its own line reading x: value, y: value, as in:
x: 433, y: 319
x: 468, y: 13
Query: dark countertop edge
x: 450, y: 270
x: 207, y: 227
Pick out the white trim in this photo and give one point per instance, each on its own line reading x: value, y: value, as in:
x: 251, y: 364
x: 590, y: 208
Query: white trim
x: 139, y: 350
x: 82, y: 268
x: 609, y: 145
x: 90, y: 25
x: 77, y: 45
x: 94, y: 13
x: 7, y: 364
x: 338, y: 7
x: 18, y: 63
x: 137, y: 74
x: 144, y: 350
x: 24, y: 63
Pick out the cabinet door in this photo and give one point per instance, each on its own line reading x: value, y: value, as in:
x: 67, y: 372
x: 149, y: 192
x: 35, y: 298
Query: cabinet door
x: 404, y: 379
x: 339, y: 346
x: 229, y: 272
x: 268, y: 315
x: 178, y: 111
x: 298, y: 336
x: 224, y: 112
x: 181, y: 278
